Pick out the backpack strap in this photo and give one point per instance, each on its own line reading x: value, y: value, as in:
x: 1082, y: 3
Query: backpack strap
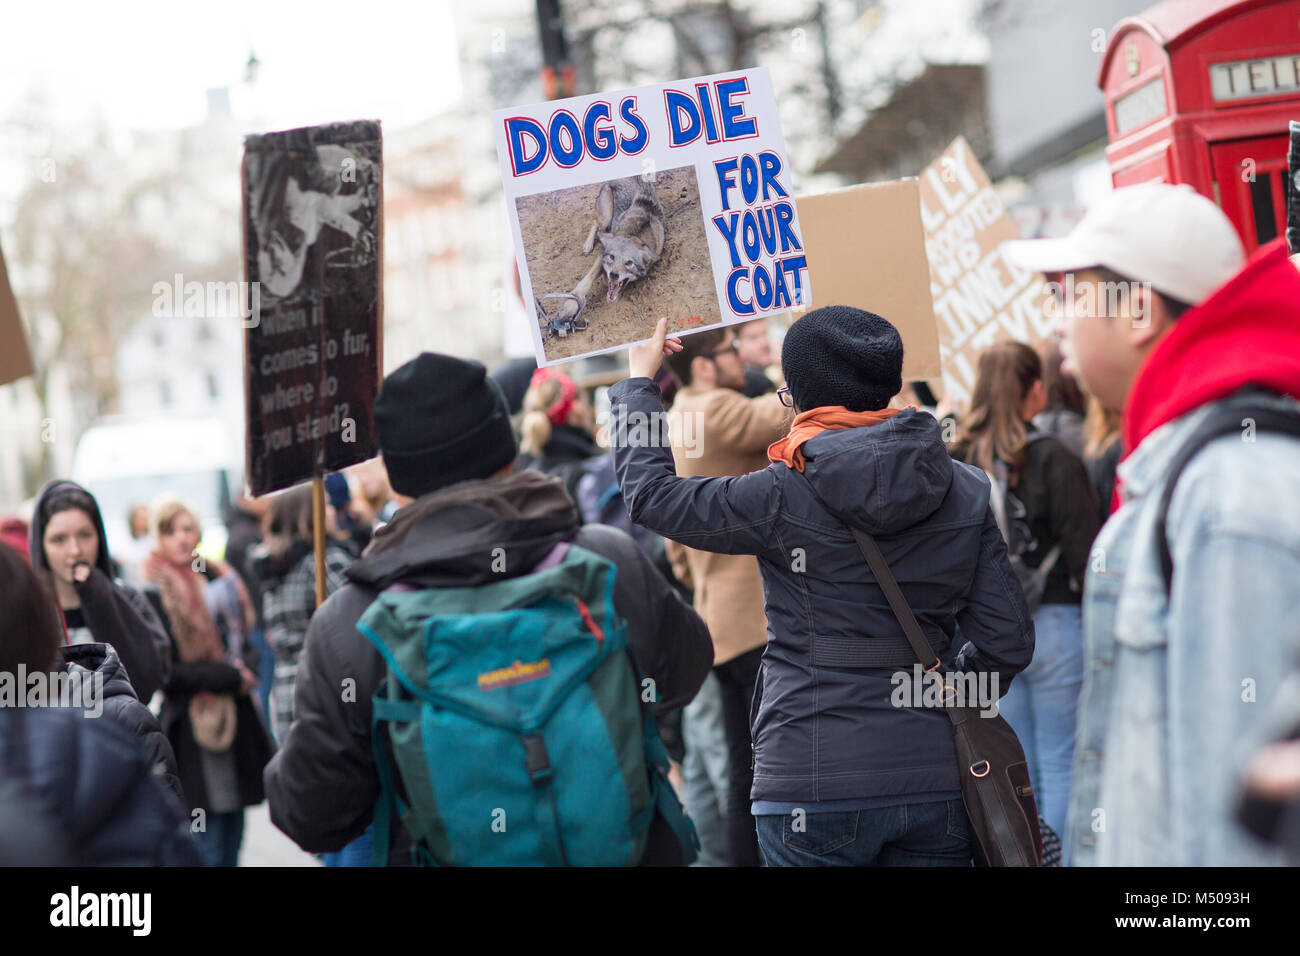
x: 1222, y: 421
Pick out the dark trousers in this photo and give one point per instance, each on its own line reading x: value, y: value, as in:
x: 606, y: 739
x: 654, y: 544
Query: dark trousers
x: 736, y: 682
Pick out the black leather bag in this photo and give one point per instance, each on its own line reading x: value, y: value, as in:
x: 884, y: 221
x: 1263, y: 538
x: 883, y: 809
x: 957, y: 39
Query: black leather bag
x: 994, y: 775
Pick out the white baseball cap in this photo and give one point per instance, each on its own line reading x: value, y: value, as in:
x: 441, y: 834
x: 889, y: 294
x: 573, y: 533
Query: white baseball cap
x: 1169, y: 236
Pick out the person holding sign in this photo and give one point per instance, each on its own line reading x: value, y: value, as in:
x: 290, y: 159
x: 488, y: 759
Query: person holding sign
x: 844, y: 772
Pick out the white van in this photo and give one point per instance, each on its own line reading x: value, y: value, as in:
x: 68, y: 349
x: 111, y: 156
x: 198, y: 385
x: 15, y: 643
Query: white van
x: 136, y: 462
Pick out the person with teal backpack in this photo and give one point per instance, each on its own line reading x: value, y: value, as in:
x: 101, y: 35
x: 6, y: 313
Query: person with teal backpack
x: 486, y: 686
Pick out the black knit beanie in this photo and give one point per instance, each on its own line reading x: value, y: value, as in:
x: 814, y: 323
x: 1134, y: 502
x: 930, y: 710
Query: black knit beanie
x: 839, y: 355
x: 441, y: 420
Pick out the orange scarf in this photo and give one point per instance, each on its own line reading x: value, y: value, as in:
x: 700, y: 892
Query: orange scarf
x: 813, y: 422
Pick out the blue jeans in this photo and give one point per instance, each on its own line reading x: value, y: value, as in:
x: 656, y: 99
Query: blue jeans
x: 913, y: 834
x: 356, y: 853
x: 219, y: 842
x: 1042, y: 707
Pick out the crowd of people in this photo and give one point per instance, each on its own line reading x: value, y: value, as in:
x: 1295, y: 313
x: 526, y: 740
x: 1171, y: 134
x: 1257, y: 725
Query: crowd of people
x: 1107, y: 535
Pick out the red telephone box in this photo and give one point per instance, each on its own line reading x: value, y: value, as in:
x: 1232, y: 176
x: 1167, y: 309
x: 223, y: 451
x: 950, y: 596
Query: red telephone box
x: 1200, y: 92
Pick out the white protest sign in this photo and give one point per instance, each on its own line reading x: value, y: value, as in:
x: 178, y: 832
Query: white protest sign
x: 669, y: 200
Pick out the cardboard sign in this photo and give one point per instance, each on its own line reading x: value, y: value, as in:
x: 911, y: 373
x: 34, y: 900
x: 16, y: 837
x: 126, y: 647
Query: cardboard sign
x: 670, y: 200
x: 312, y: 201
x: 15, y: 359
x: 866, y: 247
x: 979, y: 297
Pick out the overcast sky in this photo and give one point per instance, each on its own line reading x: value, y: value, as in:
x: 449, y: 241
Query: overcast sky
x: 148, y: 64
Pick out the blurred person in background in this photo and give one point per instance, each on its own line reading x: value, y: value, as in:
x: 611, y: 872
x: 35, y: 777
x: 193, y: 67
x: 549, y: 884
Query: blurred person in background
x: 14, y: 532
x: 755, y: 349
x: 556, y: 429
x: 137, y: 547
x: 67, y: 544
x: 1101, y: 453
x: 286, y: 564
x: 1062, y: 416
x: 91, y: 782
x: 208, y: 714
x: 243, y: 533
x: 1049, y: 520
x: 731, y: 434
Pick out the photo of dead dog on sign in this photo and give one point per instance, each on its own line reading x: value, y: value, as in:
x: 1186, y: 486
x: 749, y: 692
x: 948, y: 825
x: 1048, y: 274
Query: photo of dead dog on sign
x: 661, y: 201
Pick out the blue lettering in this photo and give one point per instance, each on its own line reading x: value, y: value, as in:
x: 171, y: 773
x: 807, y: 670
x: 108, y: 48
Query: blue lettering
x: 706, y: 107
x: 738, y: 305
x: 565, y: 122
x: 748, y: 179
x: 749, y: 235
x: 516, y: 129
x: 632, y: 144
x: 725, y: 168
x: 784, y: 219
x: 771, y: 164
x: 729, y: 235
x: 762, y: 288
x: 679, y: 103
x: 768, y: 233
x: 600, y: 142
x: 734, y: 122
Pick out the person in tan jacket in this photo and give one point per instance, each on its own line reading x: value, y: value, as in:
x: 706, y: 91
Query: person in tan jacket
x: 717, y: 431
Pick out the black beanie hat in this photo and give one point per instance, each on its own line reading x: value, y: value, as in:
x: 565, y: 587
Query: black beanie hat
x: 441, y: 420
x: 839, y: 355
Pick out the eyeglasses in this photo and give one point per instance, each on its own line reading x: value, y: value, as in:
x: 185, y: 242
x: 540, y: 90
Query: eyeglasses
x: 733, y: 347
x: 783, y: 393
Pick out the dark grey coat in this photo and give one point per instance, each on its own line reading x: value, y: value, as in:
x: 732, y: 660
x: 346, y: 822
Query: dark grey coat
x: 825, y: 728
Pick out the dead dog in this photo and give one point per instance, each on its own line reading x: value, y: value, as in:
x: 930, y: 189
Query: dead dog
x: 629, y: 224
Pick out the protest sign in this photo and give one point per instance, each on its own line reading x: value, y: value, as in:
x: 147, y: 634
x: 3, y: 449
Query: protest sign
x: 668, y: 200
x: 312, y: 201
x: 979, y: 297
x: 15, y: 359
x: 866, y: 247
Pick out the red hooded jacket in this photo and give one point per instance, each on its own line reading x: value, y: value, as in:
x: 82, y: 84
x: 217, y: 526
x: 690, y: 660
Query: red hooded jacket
x: 1246, y: 333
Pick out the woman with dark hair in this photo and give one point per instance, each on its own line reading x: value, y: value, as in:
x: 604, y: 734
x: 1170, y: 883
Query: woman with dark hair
x: 68, y: 548
x: 90, y: 780
x: 285, y: 563
x: 208, y: 714
x: 1062, y: 415
x: 1047, y: 511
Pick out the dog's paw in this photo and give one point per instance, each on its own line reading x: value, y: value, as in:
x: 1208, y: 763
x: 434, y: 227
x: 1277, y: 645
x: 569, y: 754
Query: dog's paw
x: 589, y: 244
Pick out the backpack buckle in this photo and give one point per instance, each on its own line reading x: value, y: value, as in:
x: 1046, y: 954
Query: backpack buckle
x: 536, y: 760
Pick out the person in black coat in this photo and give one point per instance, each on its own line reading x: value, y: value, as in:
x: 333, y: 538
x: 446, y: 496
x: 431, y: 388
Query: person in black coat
x: 69, y: 547
x: 90, y: 780
x: 89, y: 664
x: 448, y: 449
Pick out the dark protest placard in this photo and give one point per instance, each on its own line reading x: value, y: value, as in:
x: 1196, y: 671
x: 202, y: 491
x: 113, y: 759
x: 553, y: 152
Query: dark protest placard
x: 312, y: 202
x: 15, y: 360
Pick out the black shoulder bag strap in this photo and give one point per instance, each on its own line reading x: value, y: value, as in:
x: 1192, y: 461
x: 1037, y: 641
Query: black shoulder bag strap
x: 897, y: 602
x: 1220, y: 422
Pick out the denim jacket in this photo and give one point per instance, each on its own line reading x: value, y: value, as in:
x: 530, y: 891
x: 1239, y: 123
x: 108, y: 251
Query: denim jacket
x: 1177, y: 692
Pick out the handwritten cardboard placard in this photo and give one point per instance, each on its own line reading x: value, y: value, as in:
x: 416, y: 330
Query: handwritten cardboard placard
x: 668, y: 200
x: 979, y: 297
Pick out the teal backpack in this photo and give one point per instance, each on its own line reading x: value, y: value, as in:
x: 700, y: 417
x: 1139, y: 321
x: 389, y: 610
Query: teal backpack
x: 518, y: 730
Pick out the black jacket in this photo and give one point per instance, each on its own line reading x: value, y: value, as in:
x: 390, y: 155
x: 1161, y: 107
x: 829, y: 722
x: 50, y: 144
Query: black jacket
x: 115, y: 613
x: 123, y: 707
x: 322, y: 784
x: 95, y: 781
x: 1060, y: 508
x: 825, y: 727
